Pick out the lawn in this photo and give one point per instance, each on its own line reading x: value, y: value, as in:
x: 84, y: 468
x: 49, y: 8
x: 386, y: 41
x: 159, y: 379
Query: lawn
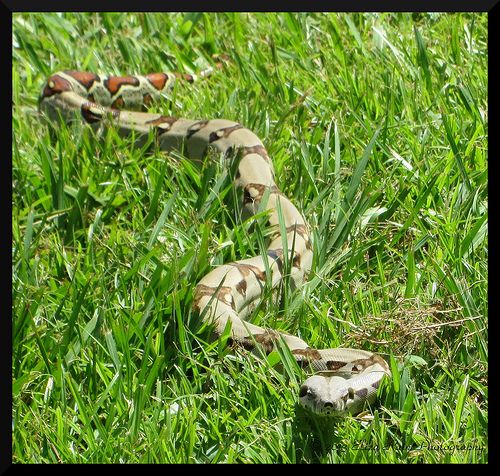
x: 377, y: 128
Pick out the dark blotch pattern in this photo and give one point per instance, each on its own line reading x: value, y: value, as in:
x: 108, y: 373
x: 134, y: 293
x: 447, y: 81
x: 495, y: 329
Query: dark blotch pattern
x: 308, y: 353
x: 223, y: 133
x: 277, y: 257
x: 196, y: 127
x: 59, y: 85
x: 296, y: 261
x: 87, y: 80
x: 114, y: 83
x: 118, y: 103
x: 246, y: 269
x: 147, y: 100
x: 334, y: 364
x: 162, y: 120
x: 157, y: 80
x: 241, y: 287
x: 222, y: 294
x: 186, y: 77
x: 256, y: 149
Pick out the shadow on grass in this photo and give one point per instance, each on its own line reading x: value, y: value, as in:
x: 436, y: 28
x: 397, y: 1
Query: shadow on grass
x: 314, y: 437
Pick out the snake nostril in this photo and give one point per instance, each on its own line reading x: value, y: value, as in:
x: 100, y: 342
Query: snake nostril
x: 328, y: 404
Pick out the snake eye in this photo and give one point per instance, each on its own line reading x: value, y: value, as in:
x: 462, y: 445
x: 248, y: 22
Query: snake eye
x: 350, y: 392
x: 306, y: 391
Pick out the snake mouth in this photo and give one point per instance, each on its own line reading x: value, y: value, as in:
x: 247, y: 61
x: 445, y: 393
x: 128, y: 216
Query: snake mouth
x: 327, y: 410
x: 332, y: 409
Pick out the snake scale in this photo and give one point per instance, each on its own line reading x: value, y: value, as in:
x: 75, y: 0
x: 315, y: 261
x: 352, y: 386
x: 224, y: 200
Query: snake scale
x: 343, y: 380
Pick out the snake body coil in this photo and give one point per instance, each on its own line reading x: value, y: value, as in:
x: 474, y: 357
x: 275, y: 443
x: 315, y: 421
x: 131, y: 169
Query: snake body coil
x: 344, y: 380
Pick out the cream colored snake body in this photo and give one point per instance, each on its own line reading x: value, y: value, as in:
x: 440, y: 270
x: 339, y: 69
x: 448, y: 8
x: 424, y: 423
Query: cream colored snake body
x: 344, y: 379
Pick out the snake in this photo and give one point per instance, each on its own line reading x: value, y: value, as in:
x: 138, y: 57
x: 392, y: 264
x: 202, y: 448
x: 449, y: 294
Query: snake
x: 342, y: 381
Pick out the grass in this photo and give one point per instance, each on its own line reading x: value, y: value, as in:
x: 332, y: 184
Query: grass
x: 377, y: 126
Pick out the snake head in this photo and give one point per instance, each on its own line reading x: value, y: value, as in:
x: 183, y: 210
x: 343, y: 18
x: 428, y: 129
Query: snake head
x: 327, y: 396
